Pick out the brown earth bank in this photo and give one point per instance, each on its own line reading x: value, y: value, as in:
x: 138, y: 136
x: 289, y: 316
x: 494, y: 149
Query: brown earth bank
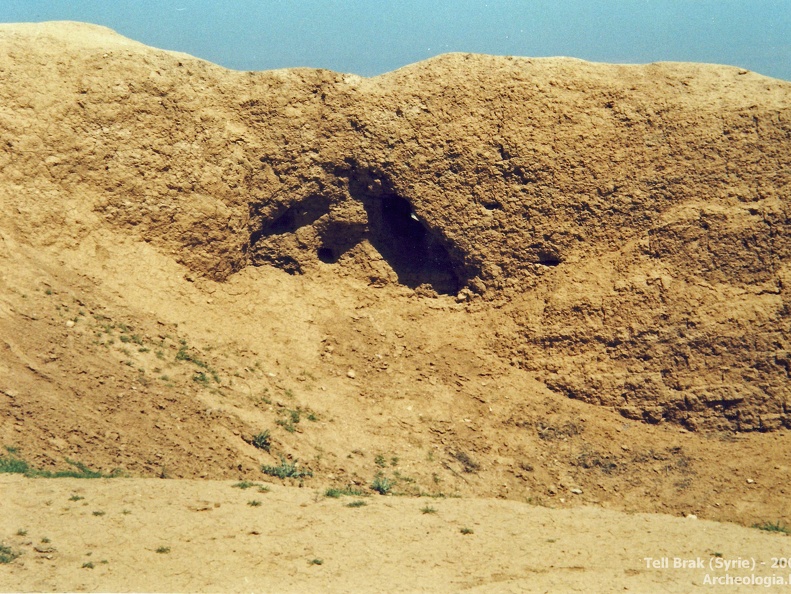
x: 542, y: 280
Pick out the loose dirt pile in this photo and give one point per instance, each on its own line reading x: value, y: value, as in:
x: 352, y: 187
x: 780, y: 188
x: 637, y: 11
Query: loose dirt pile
x: 547, y: 280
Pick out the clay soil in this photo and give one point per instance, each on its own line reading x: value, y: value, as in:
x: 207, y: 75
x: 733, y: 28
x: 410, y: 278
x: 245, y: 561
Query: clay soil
x: 533, y: 314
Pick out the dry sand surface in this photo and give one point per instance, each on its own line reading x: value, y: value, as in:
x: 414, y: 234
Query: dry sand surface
x: 548, y: 299
x: 197, y: 536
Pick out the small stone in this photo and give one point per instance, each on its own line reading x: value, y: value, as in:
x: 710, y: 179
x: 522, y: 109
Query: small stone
x: 576, y: 491
x: 750, y: 481
x: 691, y: 517
x: 351, y: 374
x: 70, y: 324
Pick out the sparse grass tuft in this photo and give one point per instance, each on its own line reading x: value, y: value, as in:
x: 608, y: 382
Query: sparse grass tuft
x: 336, y: 492
x: 286, y: 470
x: 467, y: 531
x: 12, y: 464
x: 316, y: 561
x: 254, y: 503
x: 88, y: 565
x: 773, y: 527
x: 163, y: 550
x: 358, y: 503
x: 428, y: 510
x: 98, y: 513
x: 244, y: 485
x: 76, y: 498
x: 262, y: 441
x: 291, y: 421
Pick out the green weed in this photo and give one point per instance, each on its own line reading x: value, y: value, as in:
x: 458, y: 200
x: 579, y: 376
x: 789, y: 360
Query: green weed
x: 7, y: 554
x: 382, y: 484
x: 350, y: 491
x: 262, y: 441
x: 773, y: 527
x: 286, y: 470
x: 15, y: 465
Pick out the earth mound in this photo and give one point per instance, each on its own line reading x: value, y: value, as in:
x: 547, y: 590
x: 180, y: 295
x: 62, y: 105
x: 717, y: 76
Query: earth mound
x: 631, y: 221
x: 513, y: 277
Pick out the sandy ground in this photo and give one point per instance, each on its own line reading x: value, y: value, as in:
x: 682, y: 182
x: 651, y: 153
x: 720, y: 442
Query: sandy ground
x: 110, y: 534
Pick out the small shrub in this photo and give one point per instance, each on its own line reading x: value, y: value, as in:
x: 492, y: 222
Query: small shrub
x: 382, y: 484
x: 88, y: 565
x: 380, y: 461
x: 428, y: 510
x: 466, y: 531
x: 286, y: 470
x: 76, y: 498
x: 262, y: 441
x: 358, y: 503
x: 98, y: 513
x: 7, y: 554
x: 163, y: 550
x: 316, y: 561
x: 254, y: 503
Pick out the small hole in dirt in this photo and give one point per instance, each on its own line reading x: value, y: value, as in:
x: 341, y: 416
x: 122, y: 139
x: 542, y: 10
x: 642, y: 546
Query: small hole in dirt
x: 548, y: 259
x: 327, y: 255
x: 492, y: 206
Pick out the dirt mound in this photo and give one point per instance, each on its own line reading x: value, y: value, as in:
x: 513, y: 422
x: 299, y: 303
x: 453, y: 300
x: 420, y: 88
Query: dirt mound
x: 402, y: 277
x: 632, y: 219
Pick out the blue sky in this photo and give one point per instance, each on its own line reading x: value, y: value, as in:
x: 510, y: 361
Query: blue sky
x: 369, y: 37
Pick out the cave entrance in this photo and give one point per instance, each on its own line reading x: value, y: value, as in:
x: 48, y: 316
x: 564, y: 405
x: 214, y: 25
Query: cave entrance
x: 414, y: 253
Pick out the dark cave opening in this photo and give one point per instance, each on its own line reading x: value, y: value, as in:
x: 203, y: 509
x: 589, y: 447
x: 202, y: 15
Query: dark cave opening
x: 414, y: 253
x: 327, y: 255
